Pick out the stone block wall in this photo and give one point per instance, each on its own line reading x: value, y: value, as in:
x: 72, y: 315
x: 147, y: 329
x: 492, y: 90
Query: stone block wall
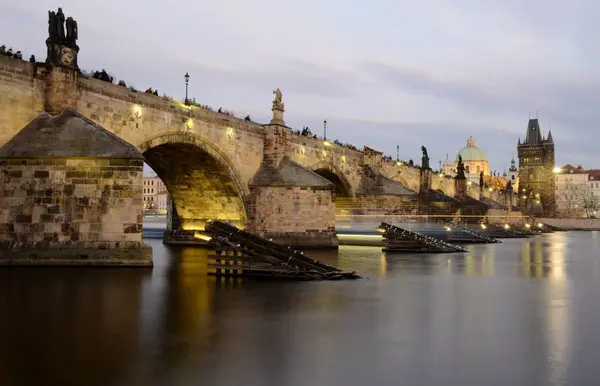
x: 73, y: 209
x: 60, y: 90
x: 21, y: 96
x: 293, y: 215
x: 391, y: 204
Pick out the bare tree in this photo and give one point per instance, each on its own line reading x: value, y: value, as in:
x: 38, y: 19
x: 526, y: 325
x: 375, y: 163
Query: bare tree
x: 572, y: 199
x: 591, y: 203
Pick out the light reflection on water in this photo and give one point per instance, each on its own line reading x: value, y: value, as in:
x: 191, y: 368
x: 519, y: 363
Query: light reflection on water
x: 523, y: 312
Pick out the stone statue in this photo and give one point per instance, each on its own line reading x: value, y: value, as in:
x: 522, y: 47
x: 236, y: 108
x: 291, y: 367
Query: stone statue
x: 72, y: 33
x: 481, y: 180
x: 277, y: 102
x: 424, y: 159
x: 52, y: 29
x: 460, y: 169
x: 60, y: 24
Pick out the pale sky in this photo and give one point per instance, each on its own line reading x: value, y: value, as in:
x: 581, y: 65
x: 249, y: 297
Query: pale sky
x: 383, y: 72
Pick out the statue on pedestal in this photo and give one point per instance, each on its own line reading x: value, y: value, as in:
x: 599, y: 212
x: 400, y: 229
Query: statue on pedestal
x: 481, y: 181
x: 460, y: 169
x: 62, y: 46
x: 424, y: 159
x: 277, y: 102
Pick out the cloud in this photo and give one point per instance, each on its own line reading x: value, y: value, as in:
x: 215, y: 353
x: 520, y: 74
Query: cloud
x: 384, y: 74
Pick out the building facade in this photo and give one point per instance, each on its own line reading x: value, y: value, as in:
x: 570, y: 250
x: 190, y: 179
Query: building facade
x: 577, y: 192
x: 152, y: 189
x: 536, y: 171
x: 475, y: 161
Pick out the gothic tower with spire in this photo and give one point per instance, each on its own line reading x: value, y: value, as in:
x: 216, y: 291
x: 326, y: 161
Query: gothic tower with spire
x: 536, y: 171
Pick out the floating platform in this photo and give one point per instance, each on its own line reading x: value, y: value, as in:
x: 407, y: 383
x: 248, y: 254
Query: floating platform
x: 474, y: 235
x: 397, y: 239
x: 499, y: 232
x: 243, y: 254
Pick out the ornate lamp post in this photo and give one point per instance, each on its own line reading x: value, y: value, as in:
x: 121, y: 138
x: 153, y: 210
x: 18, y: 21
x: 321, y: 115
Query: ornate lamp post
x: 325, y: 129
x: 187, y: 81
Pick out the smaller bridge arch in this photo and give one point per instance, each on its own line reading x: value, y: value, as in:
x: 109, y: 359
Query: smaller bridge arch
x: 202, y: 182
x: 343, y: 188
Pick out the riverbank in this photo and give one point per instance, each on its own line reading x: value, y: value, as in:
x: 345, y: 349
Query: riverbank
x: 573, y: 224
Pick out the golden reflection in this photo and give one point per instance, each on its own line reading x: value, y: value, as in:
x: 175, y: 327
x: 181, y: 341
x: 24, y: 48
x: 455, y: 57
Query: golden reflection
x: 383, y: 265
x: 544, y: 258
x: 478, y: 262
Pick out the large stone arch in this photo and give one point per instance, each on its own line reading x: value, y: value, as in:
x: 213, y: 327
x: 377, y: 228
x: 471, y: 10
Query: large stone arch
x: 202, y: 181
x: 343, y: 188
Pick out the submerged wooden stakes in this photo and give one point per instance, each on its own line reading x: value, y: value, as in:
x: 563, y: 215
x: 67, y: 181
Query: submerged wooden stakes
x: 243, y: 254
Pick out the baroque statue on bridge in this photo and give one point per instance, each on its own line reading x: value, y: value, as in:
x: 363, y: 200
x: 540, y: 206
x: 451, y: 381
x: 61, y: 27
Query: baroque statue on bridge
x: 424, y: 159
x: 277, y: 102
x: 56, y: 28
x: 460, y: 169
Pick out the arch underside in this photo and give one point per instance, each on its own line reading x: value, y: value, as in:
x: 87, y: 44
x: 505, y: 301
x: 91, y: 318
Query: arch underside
x: 344, y: 200
x: 201, y: 186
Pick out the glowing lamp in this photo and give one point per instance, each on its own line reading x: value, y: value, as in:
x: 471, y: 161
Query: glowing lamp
x: 528, y: 226
x: 506, y: 226
x: 540, y: 225
x: 230, y: 132
x: 327, y: 143
x: 202, y: 237
x: 343, y: 158
x: 556, y: 170
x: 483, y: 226
x: 324, y: 153
x: 189, y: 123
x: 469, y: 183
x: 137, y: 111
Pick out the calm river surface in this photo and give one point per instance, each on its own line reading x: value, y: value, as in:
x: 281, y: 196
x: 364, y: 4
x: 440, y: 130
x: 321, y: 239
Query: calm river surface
x: 524, y: 312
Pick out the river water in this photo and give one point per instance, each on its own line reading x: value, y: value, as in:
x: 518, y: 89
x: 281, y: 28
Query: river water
x: 524, y: 312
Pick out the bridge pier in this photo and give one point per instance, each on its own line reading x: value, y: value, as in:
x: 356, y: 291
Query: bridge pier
x: 71, y: 195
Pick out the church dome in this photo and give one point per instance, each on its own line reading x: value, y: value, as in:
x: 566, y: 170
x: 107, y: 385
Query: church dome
x: 472, y: 152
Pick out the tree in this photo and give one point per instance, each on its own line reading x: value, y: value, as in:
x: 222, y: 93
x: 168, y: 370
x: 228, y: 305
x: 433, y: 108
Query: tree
x: 591, y: 203
x: 572, y: 199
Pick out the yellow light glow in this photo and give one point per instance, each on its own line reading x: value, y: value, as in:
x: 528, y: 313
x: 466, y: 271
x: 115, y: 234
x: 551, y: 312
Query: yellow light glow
x: 324, y: 153
x: 556, y: 170
x: 230, y: 132
x: 483, y: 226
x: 537, y: 194
x: 537, y: 201
x: 447, y: 228
x: 441, y: 174
x: 506, y: 226
x: 398, y: 163
x: 327, y: 143
x: 491, y: 189
x: 469, y: 183
x: 527, y: 225
x: 189, y: 123
x: 540, y: 225
x: 202, y: 237
x: 137, y: 111
x: 380, y: 230
x: 343, y: 158
x: 302, y: 150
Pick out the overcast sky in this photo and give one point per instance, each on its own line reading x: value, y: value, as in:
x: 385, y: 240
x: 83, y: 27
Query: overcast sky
x: 383, y: 72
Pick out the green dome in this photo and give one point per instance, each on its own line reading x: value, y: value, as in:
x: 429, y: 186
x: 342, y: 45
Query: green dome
x: 472, y: 152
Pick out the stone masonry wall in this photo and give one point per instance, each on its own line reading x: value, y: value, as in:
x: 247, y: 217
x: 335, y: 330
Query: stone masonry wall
x: 72, y: 203
x: 21, y: 96
x: 293, y: 216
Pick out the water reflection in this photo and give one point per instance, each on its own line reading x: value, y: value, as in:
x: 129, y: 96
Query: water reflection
x: 462, y: 319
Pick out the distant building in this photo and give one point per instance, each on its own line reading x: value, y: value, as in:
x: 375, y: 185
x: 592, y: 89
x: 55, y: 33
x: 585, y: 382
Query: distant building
x: 151, y: 187
x: 577, y: 191
x: 162, y: 199
x: 475, y: 161
x: 536, y: 171
x: 513, y: 175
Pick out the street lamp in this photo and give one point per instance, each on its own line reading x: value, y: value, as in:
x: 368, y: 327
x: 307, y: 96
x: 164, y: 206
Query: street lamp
x: 325, y: 129
x: 556, y: 170
x: 187, y: 81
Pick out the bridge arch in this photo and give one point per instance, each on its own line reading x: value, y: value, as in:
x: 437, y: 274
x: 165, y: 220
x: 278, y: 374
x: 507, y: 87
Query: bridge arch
x: 202, y: 181
x: 343, y: 188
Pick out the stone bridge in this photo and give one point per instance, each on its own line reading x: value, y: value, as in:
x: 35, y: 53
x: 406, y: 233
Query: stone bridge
x: 213, y: 163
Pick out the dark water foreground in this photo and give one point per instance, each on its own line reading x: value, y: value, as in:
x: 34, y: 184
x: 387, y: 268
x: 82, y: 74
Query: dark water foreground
x: 525, y: 312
